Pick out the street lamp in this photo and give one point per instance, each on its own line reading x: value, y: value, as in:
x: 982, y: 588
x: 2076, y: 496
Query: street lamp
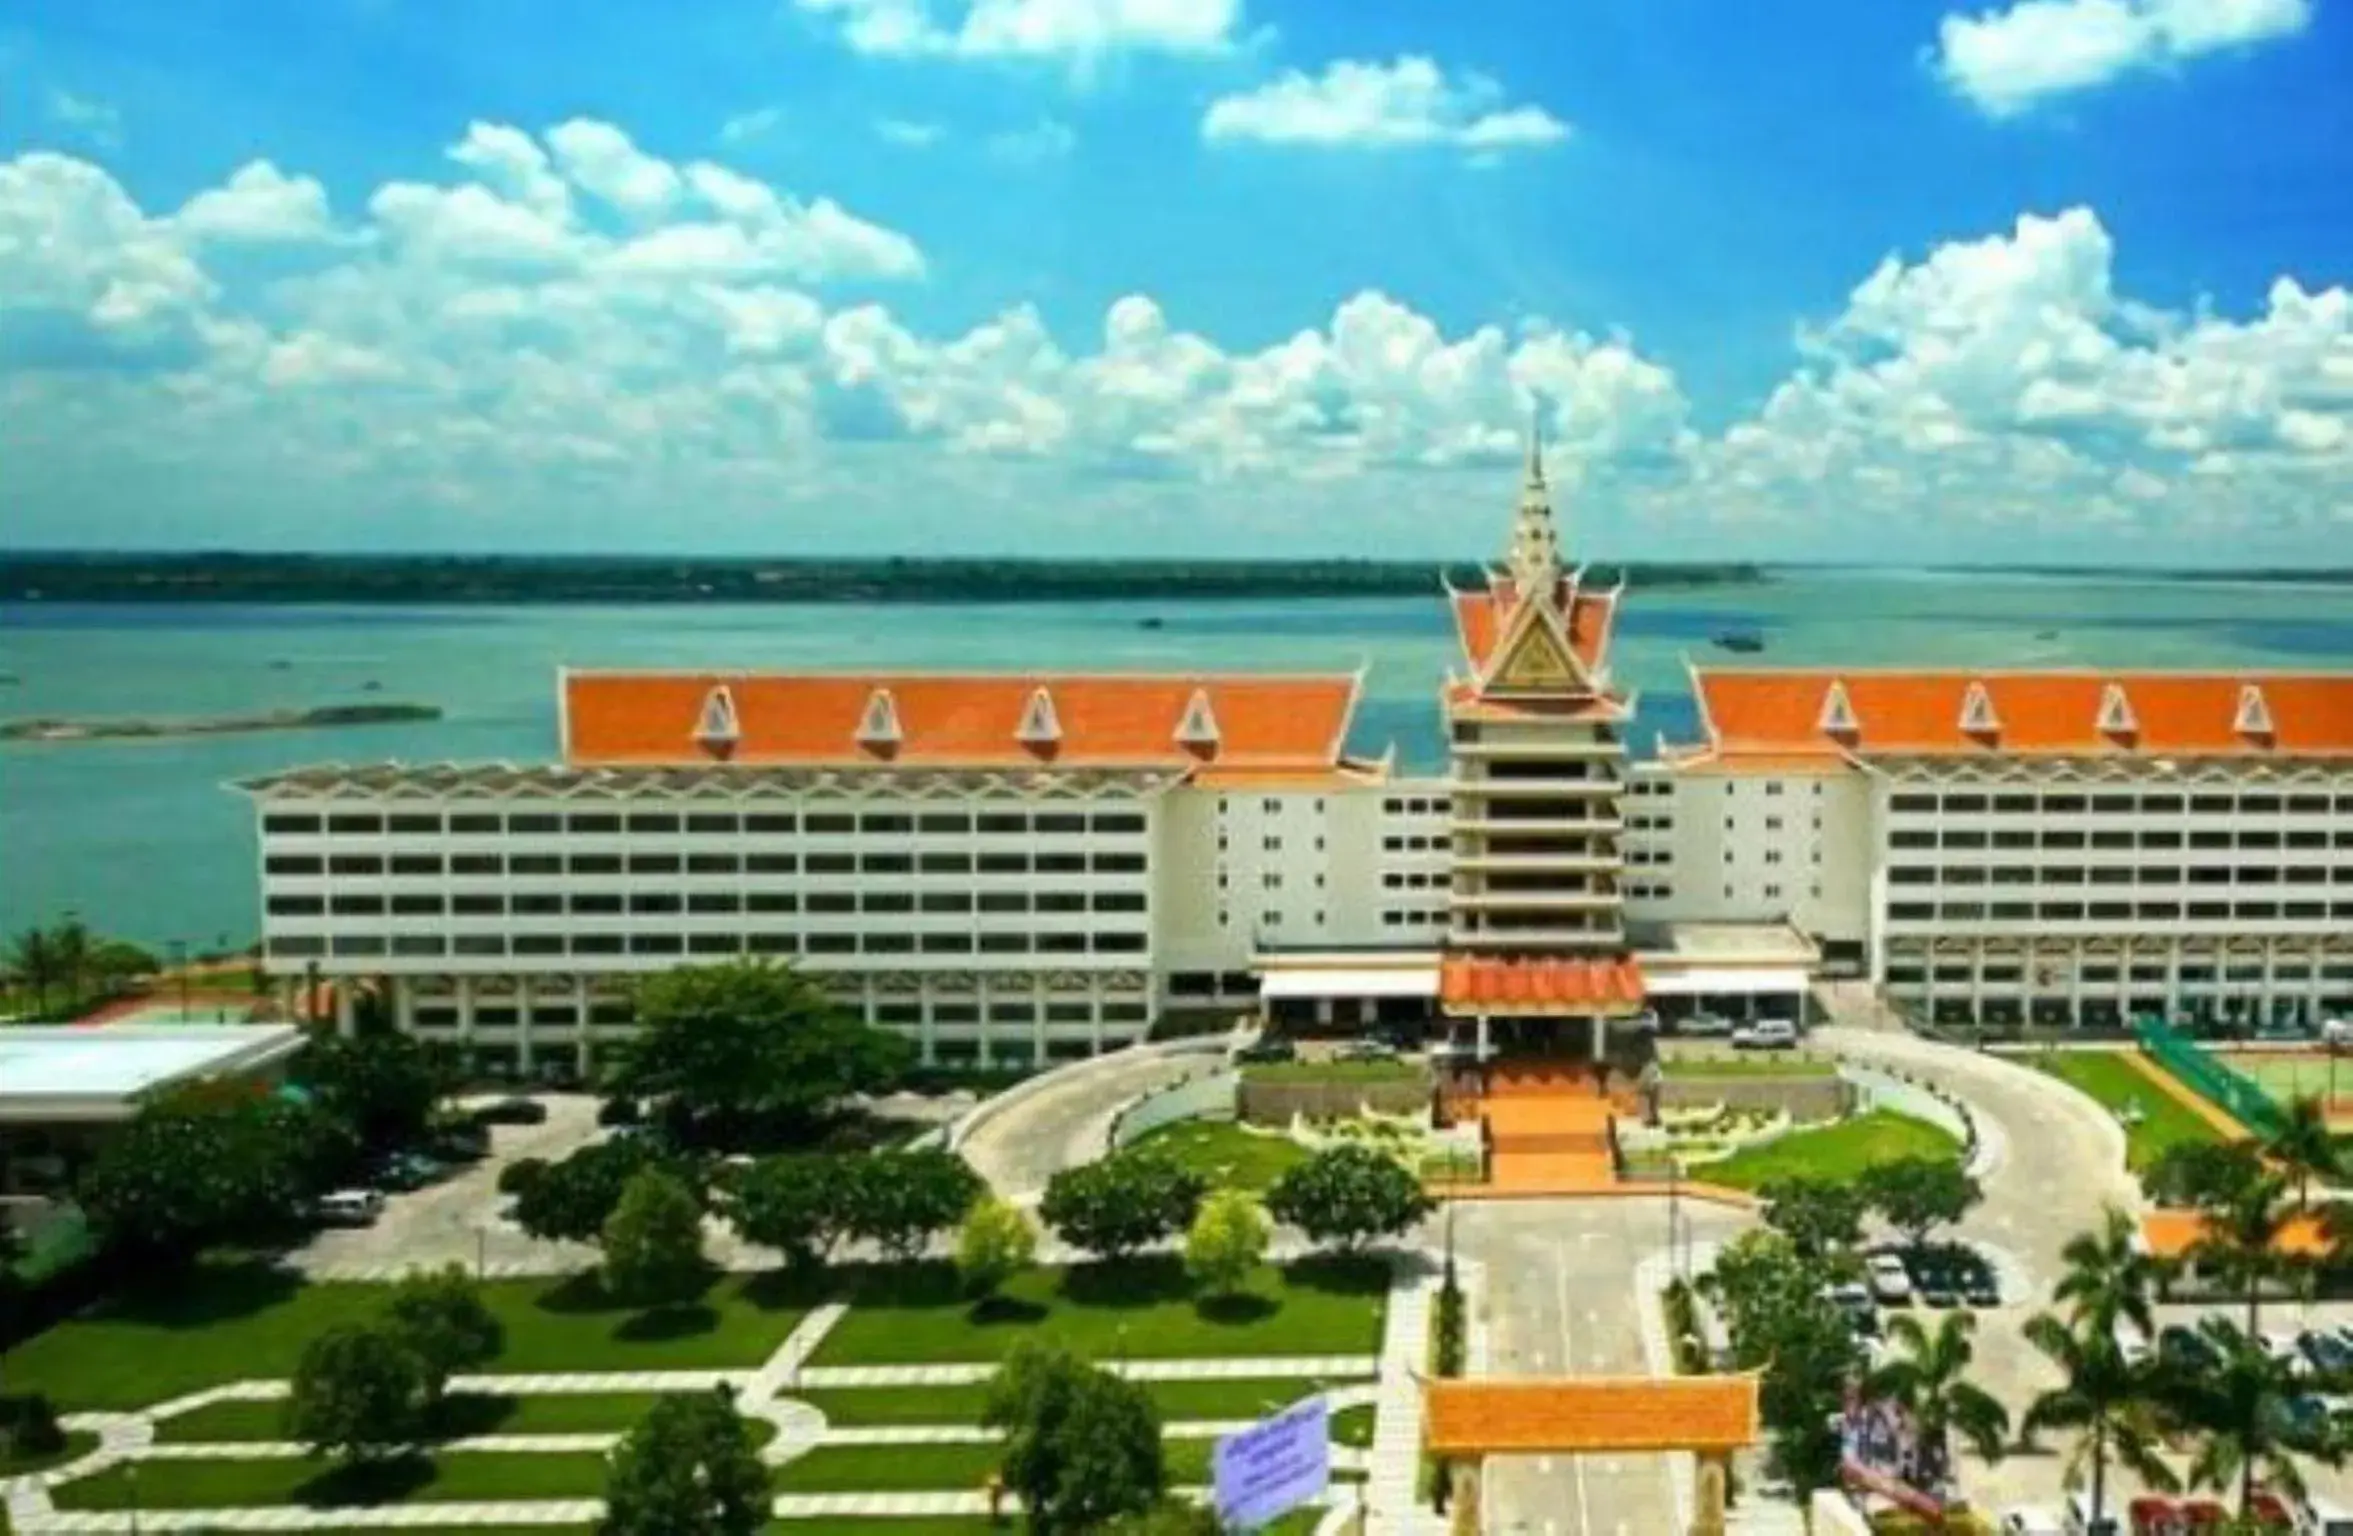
x: 179, y: 949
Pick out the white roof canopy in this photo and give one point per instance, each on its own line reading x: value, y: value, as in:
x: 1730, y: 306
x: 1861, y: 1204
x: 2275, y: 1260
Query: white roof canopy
x: 1723, y: 978
x: 1351, y: 981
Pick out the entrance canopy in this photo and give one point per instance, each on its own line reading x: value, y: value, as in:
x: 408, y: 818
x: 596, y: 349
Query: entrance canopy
x: 1360, y: 980
x: 1732, y: 980
x: 1706, y: 1414
x: 1540, y: 985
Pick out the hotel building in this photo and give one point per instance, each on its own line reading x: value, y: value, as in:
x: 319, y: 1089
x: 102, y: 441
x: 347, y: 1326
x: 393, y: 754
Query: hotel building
x: 1021, y: 868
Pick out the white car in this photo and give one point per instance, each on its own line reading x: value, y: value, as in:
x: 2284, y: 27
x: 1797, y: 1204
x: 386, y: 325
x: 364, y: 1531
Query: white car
x: 1705, y: 1024
x: 2030, y: 1520
x: 2337, y: 1031
x: 1890, y: 1281
x: 349, y: 1207
x: 1766, y: 1035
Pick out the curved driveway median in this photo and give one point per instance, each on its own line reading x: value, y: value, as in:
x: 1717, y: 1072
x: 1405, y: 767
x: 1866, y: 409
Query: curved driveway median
x: 2060, y: 1159
x: 1037, y: 1129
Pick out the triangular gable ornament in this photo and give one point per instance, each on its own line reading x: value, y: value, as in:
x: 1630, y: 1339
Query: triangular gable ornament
x: 878, y: 724
x: 1040, y: 726
x: 717, y: 727
x: 1977, y: 712
x: 2116, y: 716
x: 1197, y: 726
x: 1838, y: 712
x: 1534, y: 656
x: 2254, y: 716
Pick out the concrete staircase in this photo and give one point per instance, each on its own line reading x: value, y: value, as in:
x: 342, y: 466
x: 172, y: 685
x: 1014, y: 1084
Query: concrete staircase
x: 1548, y: 1127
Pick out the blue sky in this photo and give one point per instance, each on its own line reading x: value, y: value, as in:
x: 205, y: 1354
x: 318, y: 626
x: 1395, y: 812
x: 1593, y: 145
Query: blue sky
x: 2057, y: 279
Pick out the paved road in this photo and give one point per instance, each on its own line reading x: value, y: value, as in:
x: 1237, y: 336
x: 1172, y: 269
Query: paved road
x: 1068, y: 1122
x: 1560, y: 1301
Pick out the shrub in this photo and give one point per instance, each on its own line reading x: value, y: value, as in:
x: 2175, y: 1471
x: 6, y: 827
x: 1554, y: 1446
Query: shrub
x: 1122, y: 1202
x: 29, y: 1427
x: 1348, y: 1195
x: 996, y: 1244
x: 1227, y: 1241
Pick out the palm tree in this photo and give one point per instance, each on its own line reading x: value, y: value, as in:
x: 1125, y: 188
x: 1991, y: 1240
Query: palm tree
x: 69, y: 941
x: 34, y: 959
x: 1928, y: 1381
x: 2110, y: 1276
x: 2239, y: 1244
x: 2238, y: 1408
x: 2110, y: 1400
x: 2303, y: 1146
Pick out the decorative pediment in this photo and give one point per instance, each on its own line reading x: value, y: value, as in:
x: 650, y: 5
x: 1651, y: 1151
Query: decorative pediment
x: 2254, y: 716
x: 878, y: 725
x: 1040, y: 727
x: 1838, y: 712
x: 1535, y: 656
x: 716, y: 727
x: 2116, y: 716
x: 1977, y: 712
x: 1197, y: 727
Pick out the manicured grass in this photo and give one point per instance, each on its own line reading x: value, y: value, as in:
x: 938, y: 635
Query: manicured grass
x: 1746, y: 1064
x: 78, y: 1443
x: 451, y: 1476
x: 858, y: 1407
x: 1835, y: 1152
x: 1142, y: 1309
x: 549, y: 1413
x: 1353, y: 1426
x: 231, y: 1322
x: 1227, y: 1155
x: 888, y: 1468
x: 1332, y: 1072
x: 2153, y: 1119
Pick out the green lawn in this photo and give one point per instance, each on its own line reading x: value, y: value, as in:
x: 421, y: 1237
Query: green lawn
x: 548, y: 1413
x: 78, y: 1443
x: 2125, y: 1091
x: 888, y: 1468
x: 453, y: 1475
x: 1836, y: 1152
x: 1227, y: 1155
x: 1248, y: 1398
x: 1746, y: 1064
x: 1143, y: 1309
x: 232, y: 1322
x: 1353, y: 1426
x: 1390, y: 1071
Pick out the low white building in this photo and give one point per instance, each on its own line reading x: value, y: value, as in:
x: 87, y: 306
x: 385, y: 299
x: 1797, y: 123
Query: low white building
x: 1017, y: 868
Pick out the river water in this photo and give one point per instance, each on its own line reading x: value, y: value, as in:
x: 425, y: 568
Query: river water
x: 144, y: 838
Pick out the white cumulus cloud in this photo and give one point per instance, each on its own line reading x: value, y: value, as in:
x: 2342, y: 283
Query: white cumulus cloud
x: 2007, y: 59
x: 1355, y: 104
x: 1067, y: 31
x: 259, y: 204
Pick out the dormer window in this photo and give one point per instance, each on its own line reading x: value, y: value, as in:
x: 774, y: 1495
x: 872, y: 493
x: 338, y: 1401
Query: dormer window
x: 1838, y: 713
x: 878, y: 725
x: 2254, y: 717
x: 1197, y: 728
x: 1977, y: 713
x: 2116, y: 716
x: 1040, y: 728
x: 716, y: 729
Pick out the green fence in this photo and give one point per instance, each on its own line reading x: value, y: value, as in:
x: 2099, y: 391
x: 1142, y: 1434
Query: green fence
x: 2237, y: 1094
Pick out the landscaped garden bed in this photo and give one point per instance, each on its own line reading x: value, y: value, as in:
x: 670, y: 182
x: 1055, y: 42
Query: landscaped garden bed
x: 1230, y: 1156
x: 299, y: 1480
x: 2153, y: 1119
x: 961, y: 1403
x: 1833, y: 1152
x: 469, y: 1413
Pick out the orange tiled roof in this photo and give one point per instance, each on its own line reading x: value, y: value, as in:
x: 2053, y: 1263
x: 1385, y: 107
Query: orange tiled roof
x: 1480, y: 619
x: 1464, y: 702
x: 942, y: 719
x: 1781, y: 712
x: 1524, y: 984
x: 1699, y: 1413
x: 2169, y: 1234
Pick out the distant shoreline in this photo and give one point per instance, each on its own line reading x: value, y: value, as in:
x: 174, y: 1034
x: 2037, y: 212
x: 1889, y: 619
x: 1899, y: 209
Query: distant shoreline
x: 454, y: 580
x: 61, y: 729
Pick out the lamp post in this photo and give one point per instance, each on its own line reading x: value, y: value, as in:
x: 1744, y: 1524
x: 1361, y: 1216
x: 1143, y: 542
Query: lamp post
x: 179, y: 949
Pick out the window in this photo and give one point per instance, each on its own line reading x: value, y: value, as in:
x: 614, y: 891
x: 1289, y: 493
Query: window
x: 473, y: 823
x: 595, y: 903
x: 1119, y: 863
x: 281, y: 824
x: 1004, y: 901
x: 366, y: 944
x: 595, y: 864
x: 535, y: 864
x: 711, y: 864
x: 829, y: 823
x: 831, y: 864
x: 1060, y: 822
x: 887, y: 864
x: 771, y: 863
x: 656, y: 944
x: 1118, y: 821
x: 1964, y: 804
x: 535, y: 823
x: 945, y: 901
x: 832, y: 944
x: 417, y: 946
x: 1003, y: 822
x: 1118, y: 901
x: 886, y: 901
x: 1912, y: 802
x: 832, y: 901
x: 1061, y: 901
x: 1004, y: 943
x: 889, y: 944
x: 653, y: 863
x: 536, y: 903
x: 2014, y: 805
x: 581, y: 823
x: 296, y: 906
x: 354, y: 825
x: 653, y: 901
x: 480, y: 944
x: 947, y: 943
x: 771, y: 822
x: 771, y: 901
x: 472, y: 904
x: 1004, y: 863
x: 1062, y: 863
x: 713, y: 901
x: 539, y: 943
x: 418, y: 905
x: 293, y: 864
x: 354, y: 864
x: 713, y: 822
x: 877, y: 824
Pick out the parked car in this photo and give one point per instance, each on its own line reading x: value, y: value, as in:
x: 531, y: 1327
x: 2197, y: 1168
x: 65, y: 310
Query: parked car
x: 1266, y: 1048
x: 2030, y: 1520
x: 2180, y: 1344
x: 2337, y: 1031
x: 513, y: 1110
x: 2281, y: 1346
x: 1888, y: 1279
x: 1854, y: 1299
x: 2327, y: 1350
x: 348, y: 1207
x: 1704, y: 1024
x: 408, y: 1170
x: 1766, y: 1035
x: 1364, y: 1050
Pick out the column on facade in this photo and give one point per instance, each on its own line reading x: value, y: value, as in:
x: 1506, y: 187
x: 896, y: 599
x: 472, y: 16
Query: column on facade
x: 583, y: 1036
x: 465, y: 1007
x: 1600, y: 1032
x: 927, y: 1033
x: 345, y: 1019
x: 1037, y: 1018
x: 525, y: 1033
x: 1483, y: 1047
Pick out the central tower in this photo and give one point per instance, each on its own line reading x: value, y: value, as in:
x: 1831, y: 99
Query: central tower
x: 1536, y: 930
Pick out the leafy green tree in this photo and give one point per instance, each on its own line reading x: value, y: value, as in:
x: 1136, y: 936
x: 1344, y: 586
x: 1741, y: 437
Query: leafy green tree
x: 2238, y: 1410
x: 441, y: 1316
x: 689, y: 1468
x: 1819, y: 1217
x: 1169, y: 1517
x: 1916, y: 1195
x: 996, y: 1243
x: 1772, y: 1300
x: 2304, y: 1145
x: 1227, y: 1241
x: 521, y: 1174
x: 69, y: 941
x: 792, y: 1203
x: 1348, y: 1195
x: 2201, y: 1174
x: 359, y: 1394
x: 571, y: 1199
x: 1929, y: 1378
x: 2107, y: 1401
x: 744, y: 1054
x: 212, y: 1163
x: 382, y: 1085
x: 33, y: 958
x: 1082, y: 1446
x: 898, y: 1200
x: 1120, y: 1203
x: 653, y: 1242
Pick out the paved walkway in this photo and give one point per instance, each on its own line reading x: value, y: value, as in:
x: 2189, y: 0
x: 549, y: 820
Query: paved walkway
x: 1391, y: 1489
x: 959, y: 1373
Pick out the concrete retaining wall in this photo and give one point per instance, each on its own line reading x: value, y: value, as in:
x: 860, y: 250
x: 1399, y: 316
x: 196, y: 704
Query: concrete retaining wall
x: 1807, y: 1099
x: 1196, y: 1098
x: 1029, y: 1087
x: 1278, y: 1103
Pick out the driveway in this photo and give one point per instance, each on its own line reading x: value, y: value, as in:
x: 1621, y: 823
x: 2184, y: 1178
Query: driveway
x: 1068, y: 1121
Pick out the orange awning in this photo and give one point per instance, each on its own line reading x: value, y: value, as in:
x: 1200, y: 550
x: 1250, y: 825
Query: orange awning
x: 2170, y: 1234
x: 1541, y: 985
x: 1666, y: 1413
